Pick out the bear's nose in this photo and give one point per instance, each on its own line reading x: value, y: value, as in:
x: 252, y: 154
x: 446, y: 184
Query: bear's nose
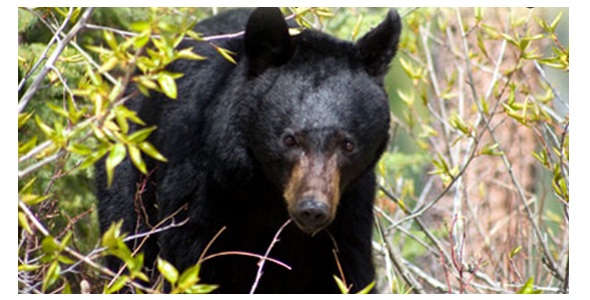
x: 311, y: 215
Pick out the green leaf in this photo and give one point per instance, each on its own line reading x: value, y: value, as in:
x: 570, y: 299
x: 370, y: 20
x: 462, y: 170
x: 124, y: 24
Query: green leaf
x: 515, y: 251
x: 427, y: 131
x: 188, y: 278
x: 534, y: 37
x: 24, y: 223
x: 225, y: 53
x: 130, y: 114
x: 48, y: 131
x: 27, y: 146
x: 73, y: 113
x: 110, y: 39
x: 478, y: 14
x: 108, y: 65
x: 93, y: 157
x: 481, y: 44
x: 117, y: 285
x: 135, y: 155
x: 65, y: 260
x: 49, y: 245
x: 201, y: 289
x: 194, y: 35
x: 141, y: 275
x: 146, y: 65
x: 511, y: 40
x: 485, y: 105
x: 542, y: 158
x: 23, y: 117
x: 121, y: 120
x: 143, y: 90
x: 189, y: 54
x: 79, y: 149
x: 31, y: 199
x: 166, y: 25
x: 407, y: 67
x: 458, y: 123
x: 116, y: 156
x: 407, y: 98
x: 555, y: 21
x: 95, y: 80
x: 514, y: 115
x: 167, y: 84
x: 528, y: 288
x: 168, y: 271
x: 142, y: 39
x: 28, y: 268
x: 367, y: 289
x: 98, y: 50
x: 134, y: 264
x: 150, y: 150
x: 140, y: 135
x: 65, y: 241
x: 491, y: 149
x: 341, y: 286
x: 111, y: 237
x: 51, y: 276
x: 146, y: 82
x: 140, y: 26
x: 67, y: 289
x: 28, y: 187
x: 543, y: 24
x: 323, y: 12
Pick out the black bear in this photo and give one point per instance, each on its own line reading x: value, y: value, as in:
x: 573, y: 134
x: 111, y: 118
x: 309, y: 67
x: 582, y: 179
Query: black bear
x: 291, y: 132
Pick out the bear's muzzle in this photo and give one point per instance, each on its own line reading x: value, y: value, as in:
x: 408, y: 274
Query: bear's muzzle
x: 313, y: 192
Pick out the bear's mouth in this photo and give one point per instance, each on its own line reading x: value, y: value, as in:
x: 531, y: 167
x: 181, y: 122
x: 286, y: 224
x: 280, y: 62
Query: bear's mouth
x: 313, y: 192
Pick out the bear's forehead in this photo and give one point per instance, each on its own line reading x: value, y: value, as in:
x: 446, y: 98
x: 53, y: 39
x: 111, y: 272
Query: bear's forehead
x: 332, y: 108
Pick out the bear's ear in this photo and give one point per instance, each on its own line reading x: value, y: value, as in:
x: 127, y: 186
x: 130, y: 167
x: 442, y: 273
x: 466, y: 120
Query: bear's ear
x: 267, y: 40
x: 378, y: 46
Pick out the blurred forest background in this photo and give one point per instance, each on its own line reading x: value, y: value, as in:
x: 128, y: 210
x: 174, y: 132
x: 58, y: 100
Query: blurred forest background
x: 473, y: 190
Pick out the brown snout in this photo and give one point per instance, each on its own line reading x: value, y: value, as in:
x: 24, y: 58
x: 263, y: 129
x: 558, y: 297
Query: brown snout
x: 312, y: 192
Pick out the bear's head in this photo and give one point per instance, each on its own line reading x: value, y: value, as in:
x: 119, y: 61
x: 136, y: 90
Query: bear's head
x: 318, y: 113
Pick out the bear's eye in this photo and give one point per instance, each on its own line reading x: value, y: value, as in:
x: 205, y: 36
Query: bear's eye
x: 347, y: 146
x: 289, y: 140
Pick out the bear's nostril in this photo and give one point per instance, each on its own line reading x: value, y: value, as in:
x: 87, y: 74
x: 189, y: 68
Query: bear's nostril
x: 312, y: 214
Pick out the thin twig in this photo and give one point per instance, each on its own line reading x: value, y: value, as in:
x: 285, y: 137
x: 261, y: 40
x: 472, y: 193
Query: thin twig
x: 43, y: 55
x: 397, y: 260
x: 433, y: 282
x: 457, y: 261
x: 61, y: 45
x: 266, y: 254
x: 434, y: 82
x: 36, y: 166
x: 242, y: 253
